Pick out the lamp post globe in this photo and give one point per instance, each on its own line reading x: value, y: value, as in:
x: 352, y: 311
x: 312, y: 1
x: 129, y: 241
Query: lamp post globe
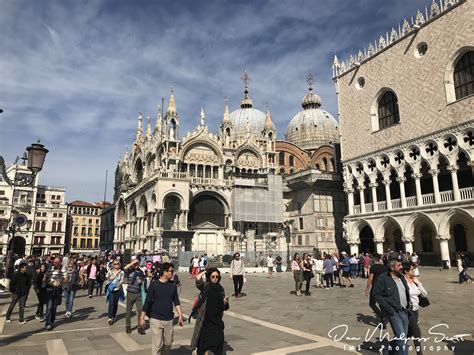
x: 36, y: 155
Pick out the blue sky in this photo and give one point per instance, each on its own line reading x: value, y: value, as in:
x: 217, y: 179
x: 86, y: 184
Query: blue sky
x: 75, y: 73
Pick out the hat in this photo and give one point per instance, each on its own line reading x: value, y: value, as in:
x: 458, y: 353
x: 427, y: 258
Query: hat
x: 344, y: 253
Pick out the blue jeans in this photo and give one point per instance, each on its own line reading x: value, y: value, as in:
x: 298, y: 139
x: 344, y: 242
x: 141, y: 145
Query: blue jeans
x: 399, y: 324
x: 52, y: 304
x: 69, y: 299
x: 113, y: 303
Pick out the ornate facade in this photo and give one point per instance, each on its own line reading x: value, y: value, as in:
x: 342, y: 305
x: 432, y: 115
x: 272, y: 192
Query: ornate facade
x: 218, y: 193
x: 406, y: 112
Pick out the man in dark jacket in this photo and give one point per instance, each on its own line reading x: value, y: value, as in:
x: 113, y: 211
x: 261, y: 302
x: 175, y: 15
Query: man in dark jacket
x: 391, y: 292
x: 136, y: 278
x: 19, y: 287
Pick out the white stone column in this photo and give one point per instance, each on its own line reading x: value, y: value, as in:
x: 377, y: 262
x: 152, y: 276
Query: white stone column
x: 408, y: 244
x: 403, y: 199
x: 434, y: 174
x: 419, y: 198
x: 375, y: 204
x: 388, y: 197
x: 354, y: 247
x: 221, y: 173
x: 362, y: 198
x: 350, y: 200
x: 379, y: 247
x: 444, y: 248
x: 454, y: 178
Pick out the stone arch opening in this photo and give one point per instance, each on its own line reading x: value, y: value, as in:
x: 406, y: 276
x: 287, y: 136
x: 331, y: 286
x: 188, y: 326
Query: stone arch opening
x: 207, y: 207
x: 172, y: 209
x: 138, y: 170
x: 465, y: 172
x: 121, y: 212
x: 422, y: 228
x: 366, y: 237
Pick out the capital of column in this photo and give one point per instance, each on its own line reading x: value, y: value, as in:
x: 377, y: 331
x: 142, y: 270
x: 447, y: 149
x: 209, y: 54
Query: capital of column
x: 453, y: 168
x: 407, y: 239
x: 349, y: 190
x: 387, y: 182
x: 361, y: 187
x: 373, y: 184
x: 401, y: 179
x: 443, y: 237
x: 416, y: 175
x: 434, y: 172
x: 379, y: 240
x: 353, y: 242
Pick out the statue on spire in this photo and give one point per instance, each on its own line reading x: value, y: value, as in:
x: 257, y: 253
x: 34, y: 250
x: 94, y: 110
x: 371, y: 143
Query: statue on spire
x: 246, y: 78
x: 203, y: 116
x: 309, y: 80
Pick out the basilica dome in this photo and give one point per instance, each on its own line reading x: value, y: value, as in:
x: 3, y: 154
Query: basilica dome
x: 247, y: 119
x: 312, y: 127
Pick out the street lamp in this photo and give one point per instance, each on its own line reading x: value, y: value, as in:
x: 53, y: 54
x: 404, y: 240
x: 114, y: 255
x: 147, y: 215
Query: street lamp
x: 287, y: 234
x: 35, y: 156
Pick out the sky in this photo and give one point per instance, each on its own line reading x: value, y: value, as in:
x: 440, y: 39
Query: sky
x: 74, y: 74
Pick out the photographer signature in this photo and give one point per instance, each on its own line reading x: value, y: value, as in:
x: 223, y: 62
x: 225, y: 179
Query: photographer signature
x: 340, y: 333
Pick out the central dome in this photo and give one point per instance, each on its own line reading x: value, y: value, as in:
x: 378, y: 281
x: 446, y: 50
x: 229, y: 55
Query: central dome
x: 312, y: 127
x: 247, y: 119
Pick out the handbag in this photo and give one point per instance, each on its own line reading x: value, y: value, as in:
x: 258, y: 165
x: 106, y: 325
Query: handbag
x: 311, y: 275
x: 423, y: 301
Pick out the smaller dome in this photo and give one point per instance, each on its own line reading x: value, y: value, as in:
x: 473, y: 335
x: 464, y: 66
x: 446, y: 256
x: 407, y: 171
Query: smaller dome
x: 311, y: 100
x: 246, y: 101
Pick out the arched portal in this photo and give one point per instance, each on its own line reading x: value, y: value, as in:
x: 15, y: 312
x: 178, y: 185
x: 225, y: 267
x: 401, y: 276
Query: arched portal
x: 207, y: 208
x: 460, y: 240
x: 172, y: 206
x: 366, y: 237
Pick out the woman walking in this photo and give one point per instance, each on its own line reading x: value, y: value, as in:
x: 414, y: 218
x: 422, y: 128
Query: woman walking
x: 70, y: 287
x: 113, y: 289
x: 40, y: 289
x: 99, y: 283
x: 208, y: 336
x: 416, y: 290
x: 297, y: 273
x: 328, y: 266
x: 307, y: 268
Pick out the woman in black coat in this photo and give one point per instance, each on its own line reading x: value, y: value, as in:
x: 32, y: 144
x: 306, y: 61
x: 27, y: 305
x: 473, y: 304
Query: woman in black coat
x: 209, y: 328
x: 40, y: 289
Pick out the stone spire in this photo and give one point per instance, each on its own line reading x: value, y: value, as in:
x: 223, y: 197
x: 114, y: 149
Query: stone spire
x: 125, y: 156
x: 203, y: 117
x: 139, y: 126
x: 246, y: 101
x: 159, y: 122
x: 268, y: 120
x: 171, y: 105
x: 226, y: 116
x: 148, y: 128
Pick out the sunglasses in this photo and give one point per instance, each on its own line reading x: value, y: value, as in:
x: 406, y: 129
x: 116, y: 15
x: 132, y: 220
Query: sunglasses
x: 214, y: 276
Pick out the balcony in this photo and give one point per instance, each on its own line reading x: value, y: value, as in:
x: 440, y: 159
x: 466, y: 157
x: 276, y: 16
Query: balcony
x: 199, y: 181
x: 466, y: 193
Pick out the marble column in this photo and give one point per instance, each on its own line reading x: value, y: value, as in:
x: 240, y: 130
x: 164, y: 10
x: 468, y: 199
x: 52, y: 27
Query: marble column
x: 379, y: 247
x: 362, y: 198
x: 454, y: 178
x: 434, y: 174
x: 350, y: 200
x: 419, y: 198
x: 444, y: 248
x: 408, y: 244
x: 375, y: 205
x: 354, y: 247
x: 388, y: 197
x: 401, y: 180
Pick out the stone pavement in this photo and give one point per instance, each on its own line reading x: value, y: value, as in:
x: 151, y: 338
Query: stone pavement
x: 269, y: 320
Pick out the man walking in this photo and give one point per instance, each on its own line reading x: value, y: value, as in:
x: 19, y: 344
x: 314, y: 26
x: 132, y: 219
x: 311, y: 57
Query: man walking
x: 19, y: 288
x: 270, y: 264
x: 237, y: 272
x: 391, y: 292
x: 345, y: 267
x: 54, y: 279
x: 136, y: 278
x: 375, y: 271
x: 161, y: 297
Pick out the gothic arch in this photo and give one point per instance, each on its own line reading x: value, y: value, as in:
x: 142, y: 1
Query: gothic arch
x: 189, y: 145
x: 409, y: 229
x: 382, y: 226
x: 461, y: 215
x: 142, y: 207
x: 120, y: 212
x: 174, y: 193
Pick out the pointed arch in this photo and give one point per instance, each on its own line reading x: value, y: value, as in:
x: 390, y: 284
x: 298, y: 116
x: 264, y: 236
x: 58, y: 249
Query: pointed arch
x: 455, y: 214
x: 382, y: 226
x: 409, y: 230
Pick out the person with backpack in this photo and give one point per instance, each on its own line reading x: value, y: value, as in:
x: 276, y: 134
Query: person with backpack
x: 208, y: 335
x: 71, y: 286
x: 136, y: 278
x: 19, y: 287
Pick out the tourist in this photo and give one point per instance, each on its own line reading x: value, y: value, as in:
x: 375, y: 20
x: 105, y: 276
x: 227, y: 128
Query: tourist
x: 136, y: 279
x: 366, y: 262
x: 391, y: 292
x: 19, y: 287
x: 278, y: 262
x: 91, y: 277
x: 297, y: 273
x: 307, y: 268
x: 375, y: 271
x: 237, y: 272
x: 336, y: 269
x: 70, y: 287
x: 462, y: 263
x: 101, y: 275
x: 161, y: 297
x: 202, y: 263
x: 415, y: 259
x: 416, y: 290
x: 345, y: 267
x: 328, y: 266
x: 353, y: 266
x: 270, y: 265
x: 40, y: 289
x: 113, y: 290
x: 208, y: 336
x: 195, y: 271
x: 318, y: 271
x: 54, y: 279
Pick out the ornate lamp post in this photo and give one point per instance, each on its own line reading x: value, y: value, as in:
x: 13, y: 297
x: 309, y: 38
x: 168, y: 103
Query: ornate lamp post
x: 287, y: 233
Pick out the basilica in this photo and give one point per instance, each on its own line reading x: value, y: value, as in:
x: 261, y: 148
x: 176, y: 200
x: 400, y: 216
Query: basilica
x: 237, y: 189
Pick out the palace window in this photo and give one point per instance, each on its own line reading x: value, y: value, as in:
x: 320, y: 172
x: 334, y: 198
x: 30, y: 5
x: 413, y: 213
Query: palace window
x: 464, y: 76
x: 388, y: 114
x: 281, y: 158
x: 292, y: 160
